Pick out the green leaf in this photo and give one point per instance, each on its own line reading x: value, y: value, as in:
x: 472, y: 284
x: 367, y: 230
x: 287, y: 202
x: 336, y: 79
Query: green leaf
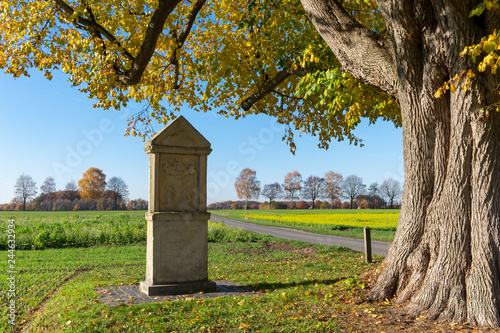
x: 478, y: 10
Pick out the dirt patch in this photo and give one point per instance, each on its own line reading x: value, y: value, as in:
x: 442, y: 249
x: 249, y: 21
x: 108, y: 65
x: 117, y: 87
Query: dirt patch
x: 304, y: 251
x: 268, y: 247
x: 253, y: 251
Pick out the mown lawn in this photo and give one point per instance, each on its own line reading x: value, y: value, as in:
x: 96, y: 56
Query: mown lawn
x: 338, y: 222
x: 301, y: 287
x: 298, y: 286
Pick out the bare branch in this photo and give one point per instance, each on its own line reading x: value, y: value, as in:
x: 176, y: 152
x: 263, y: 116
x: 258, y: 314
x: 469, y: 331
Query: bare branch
x: 269, y: 86
x: 285, y: 96
x: 181, y: 39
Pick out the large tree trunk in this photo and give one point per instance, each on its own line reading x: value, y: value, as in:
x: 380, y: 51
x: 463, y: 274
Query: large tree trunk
x: 444, y: 262
x: 445, y: 259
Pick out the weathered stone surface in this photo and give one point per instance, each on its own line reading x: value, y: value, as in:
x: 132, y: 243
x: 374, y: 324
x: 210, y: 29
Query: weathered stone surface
x: 177, y: 288
x: 177, y: 168
x: 177, y: 249
x: 179, y: 136
x: 181, y: 183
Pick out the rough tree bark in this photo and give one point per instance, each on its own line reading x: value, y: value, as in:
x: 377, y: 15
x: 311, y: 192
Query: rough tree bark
x: 445, y: 260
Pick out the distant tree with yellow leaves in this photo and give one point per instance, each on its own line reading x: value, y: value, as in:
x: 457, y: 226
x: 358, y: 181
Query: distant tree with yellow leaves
x: 92, y: 185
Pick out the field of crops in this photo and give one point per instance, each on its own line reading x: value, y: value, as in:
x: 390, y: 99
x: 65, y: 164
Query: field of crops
x: 338, y: 222
x: 53, y: 230
x: 373, y: 218
x: 42, y: 230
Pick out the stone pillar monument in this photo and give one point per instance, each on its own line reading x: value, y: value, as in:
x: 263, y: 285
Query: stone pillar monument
x: 177, y: 244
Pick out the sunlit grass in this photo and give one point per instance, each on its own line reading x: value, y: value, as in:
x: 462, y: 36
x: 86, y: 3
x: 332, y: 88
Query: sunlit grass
x: 296, y: 283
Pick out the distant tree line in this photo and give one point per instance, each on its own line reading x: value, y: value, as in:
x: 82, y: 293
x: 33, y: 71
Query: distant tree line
x: 93, y: 192
x: 230, y: 204
x: 338, y: 192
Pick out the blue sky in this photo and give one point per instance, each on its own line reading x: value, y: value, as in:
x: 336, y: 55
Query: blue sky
x: 48, y: 128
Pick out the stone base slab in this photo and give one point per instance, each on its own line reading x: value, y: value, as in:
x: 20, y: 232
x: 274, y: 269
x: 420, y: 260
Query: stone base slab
x: 131, y: 294
x: 177, y: 288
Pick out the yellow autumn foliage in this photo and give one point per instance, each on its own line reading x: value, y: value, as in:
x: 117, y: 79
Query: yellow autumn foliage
x: 213, y: 62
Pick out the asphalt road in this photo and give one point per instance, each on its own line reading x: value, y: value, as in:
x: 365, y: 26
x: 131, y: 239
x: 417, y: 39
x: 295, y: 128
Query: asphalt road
x: 378, y: 248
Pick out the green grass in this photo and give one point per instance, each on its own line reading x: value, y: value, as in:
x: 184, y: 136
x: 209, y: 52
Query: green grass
x: 302, y: 287
x: 339, y: 222
x: 295, y: 280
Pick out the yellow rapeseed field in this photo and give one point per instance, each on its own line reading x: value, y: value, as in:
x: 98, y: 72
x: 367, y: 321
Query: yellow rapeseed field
x: 366, y: 218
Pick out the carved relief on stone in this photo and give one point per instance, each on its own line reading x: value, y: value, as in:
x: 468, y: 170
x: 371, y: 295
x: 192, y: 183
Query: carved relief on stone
x: 179, y: 183
x: 177, y: 167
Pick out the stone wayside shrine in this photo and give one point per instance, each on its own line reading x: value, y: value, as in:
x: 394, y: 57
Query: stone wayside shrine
x: 177, y: 244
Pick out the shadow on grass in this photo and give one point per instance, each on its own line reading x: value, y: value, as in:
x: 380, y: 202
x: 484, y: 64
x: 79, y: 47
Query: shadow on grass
x: 264, y: 286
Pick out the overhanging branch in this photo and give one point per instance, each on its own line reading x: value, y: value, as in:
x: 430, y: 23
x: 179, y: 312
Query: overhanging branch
x: 153, y: 32
x: 190, y: 21
x: 92, y: 27
x: 362, y: 52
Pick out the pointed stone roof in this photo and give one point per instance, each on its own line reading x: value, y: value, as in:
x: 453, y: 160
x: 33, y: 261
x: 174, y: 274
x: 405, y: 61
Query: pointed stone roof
x: 178, y: 137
